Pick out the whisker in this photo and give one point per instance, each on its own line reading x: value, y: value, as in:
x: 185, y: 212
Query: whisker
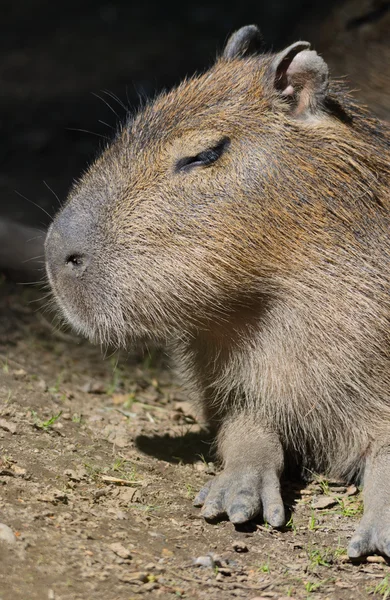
x: 106, y: 124
x: 41, y: 299
x: 39, y: 282
x: 115, y: 98
x: 105, y: 137
x: 37, y: 237
x: 106, y: 103
x: 53, y: 192
x: 34, y: 203
x: 33, y: 258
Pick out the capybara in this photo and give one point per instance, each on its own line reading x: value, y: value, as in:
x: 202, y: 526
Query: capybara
x: 244, y: 218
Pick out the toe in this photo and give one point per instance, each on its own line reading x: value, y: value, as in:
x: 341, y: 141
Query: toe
x: 274, y: 514
x: 358, y: 546
x: 273, y: 507
x: 212, y: 509
x: 202, y: 495
x: 243, y: 504
x: 241, y: 513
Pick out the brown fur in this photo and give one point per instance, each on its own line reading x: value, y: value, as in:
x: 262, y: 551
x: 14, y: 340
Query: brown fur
x: 268, y: 271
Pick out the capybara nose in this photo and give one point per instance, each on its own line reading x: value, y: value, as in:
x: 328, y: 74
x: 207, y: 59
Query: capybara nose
x: 66, y: 254
x: 76, y: 263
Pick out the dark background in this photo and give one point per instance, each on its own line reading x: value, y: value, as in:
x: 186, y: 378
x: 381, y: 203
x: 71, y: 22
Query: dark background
x: 56, y: 55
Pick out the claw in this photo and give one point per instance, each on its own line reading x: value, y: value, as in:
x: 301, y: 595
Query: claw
x: 275, y: 515
x: 240, y: 496
x: 356, y: 547
x: 202, y: 495
x: 212, y: 510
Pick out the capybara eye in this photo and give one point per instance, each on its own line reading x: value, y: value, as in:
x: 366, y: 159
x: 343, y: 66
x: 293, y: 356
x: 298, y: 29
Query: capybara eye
x: 204, y: 158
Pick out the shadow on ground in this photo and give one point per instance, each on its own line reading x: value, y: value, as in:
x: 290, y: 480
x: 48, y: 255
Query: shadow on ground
x: 185, y: 449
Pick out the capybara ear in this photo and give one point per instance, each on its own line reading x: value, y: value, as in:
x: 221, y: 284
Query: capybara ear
x: 301, y: 76
x: 246, y: 41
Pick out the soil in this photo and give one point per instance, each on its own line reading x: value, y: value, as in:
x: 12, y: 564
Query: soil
x: 100, y: 459
x: 101, y: 456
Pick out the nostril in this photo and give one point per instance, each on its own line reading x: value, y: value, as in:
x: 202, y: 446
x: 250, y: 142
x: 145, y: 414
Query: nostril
x: 75, y: 261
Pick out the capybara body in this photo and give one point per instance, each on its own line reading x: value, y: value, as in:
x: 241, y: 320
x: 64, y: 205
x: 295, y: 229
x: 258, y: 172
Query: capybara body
x: 244, y: 218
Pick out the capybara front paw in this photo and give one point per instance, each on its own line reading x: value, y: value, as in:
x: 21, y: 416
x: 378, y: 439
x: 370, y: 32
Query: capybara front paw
x: 242, y: 496
x: 371, y: 537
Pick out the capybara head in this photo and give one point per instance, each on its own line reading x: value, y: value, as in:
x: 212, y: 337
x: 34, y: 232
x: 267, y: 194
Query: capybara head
x: 208, y: 196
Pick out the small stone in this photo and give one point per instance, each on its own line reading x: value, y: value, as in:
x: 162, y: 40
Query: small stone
x: 219, y: 577
x: 19, y: 373
x: 351, y: 490
x: 6, y: 534
x: 7, y: 426
x: 239, y: 546
x: 210, y: 469
x: 99, y: 493
x: 55, y: 496
x: 205, y: 561
x: 72, y: 475
x: 137, y: 577
x: 324, y: 502
x: 50, y: 595
x: 18, y: 471
x: 42, y: 385
x: 166, y: 553
x: 200, y: 466
x: 94, y: 387
x: 151, y: 585
x: 129, y: 496
x: 120, y: 550
x: 376, y: 559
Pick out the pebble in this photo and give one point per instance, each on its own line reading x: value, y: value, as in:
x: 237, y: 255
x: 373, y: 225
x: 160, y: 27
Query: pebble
x: 42, y: 385
x: 72, y: 475
x: 120, y: 550
x: 6, y: 534
x: 324, y: 502
x: 141, y: 576
x: 239, y: 546
x: 152, y: 585
x: 204, y: 561
x: 210, y: 469
x: 209, y: 561
x: 376, y: 559
x: 133, y: 577
x: 93, y: 387
x: 352, y: 490
x: 7, y: 426
x: 200, y: 466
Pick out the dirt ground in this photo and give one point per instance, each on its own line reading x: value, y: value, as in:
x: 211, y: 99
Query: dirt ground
x: 100, y: 459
